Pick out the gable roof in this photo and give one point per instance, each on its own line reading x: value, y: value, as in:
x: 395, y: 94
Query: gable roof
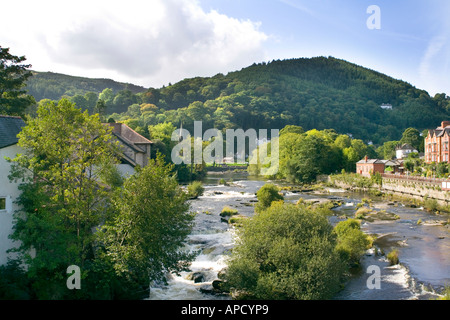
x: 9, y: 129
x: 370, y: 161
x: 128, y: 135
x: 405, y: 146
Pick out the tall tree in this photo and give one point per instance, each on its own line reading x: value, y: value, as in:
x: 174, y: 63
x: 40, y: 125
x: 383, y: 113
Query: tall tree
x: 66, y: 160
x: 412, y: 137
x: 13, y: 75
x: 145, y: 236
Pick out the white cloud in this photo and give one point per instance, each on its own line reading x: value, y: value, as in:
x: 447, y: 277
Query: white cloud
x: 145, y: 42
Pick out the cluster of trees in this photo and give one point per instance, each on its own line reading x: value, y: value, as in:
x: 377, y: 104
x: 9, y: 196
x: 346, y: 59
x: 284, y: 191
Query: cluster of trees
x: 292, y: 252
x: 410, y: 136
x: 305, y: 155
x: 77, y: 209
x: 54, y: 86
x: 317, y: 93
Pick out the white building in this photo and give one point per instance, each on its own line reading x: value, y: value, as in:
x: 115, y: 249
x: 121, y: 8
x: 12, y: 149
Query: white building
x: 9, y: 128
x: 135, y: 151
x: 402, y: 151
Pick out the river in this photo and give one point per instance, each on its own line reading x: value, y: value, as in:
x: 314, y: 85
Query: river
x: 424, y: 249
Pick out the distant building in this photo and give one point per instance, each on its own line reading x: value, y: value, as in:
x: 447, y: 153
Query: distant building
x: 367, y: 167
x: 436, y: 144
x: 402, y: 151
x: 386, y: 106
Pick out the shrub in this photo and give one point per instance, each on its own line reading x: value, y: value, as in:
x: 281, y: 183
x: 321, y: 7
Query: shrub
x: 266, y: 195
x: 285, y: 252
x: 14, y: 283
x: 228, y: 212
x: 431, y: 204
x: 361, y: 212
x: 352, y: 242
x: 195, y: 189
x: 393, y: 257
x: 237, y: 220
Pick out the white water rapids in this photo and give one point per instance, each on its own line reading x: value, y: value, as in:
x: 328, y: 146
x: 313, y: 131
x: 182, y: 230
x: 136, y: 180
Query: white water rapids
x: 424, y: 250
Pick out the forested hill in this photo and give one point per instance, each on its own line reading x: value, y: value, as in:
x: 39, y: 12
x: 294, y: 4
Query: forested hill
x: 49, y: 85
x: 320, y: 93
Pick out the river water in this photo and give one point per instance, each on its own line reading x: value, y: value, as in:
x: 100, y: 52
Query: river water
x: 424, y: 249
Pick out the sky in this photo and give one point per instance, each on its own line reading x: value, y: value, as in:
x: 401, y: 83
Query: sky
x: 156, y: 42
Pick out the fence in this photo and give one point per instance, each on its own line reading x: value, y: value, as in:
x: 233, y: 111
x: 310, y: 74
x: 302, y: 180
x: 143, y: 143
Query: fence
x: 443, y: 183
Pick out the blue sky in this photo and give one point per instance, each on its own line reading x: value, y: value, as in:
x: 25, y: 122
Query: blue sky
x: 413, y: 43
x: 154, y: 42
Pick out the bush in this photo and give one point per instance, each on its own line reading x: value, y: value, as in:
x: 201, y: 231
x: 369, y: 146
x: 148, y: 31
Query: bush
x: 285, y: 252
x: 195, y: 189
x: 266, y: 195
x: 361, y: 212
x: 352, y: 242
x: 14, y: 284
x: 228, y: 212
x: 431, y: 204
x: 393, y: 257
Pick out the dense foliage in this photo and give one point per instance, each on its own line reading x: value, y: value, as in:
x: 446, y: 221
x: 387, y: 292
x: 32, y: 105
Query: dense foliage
x: 318, y: 93
x: 13, y: 75
x: 305, y: 155
x: 286, y: 252
x: 266, y: 195
x: 50, y: 85
x: 70, y: 189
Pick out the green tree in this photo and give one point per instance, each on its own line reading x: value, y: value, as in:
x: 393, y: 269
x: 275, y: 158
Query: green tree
x: 292, y: 129
x: 285, y: 253
x: 144, y: 237
x: 267, y: 194
x: 388, y: 150
x: 91, y: 100
x: 412, y: 137
x: 64, y: 194
x: 107, y: 95
x: 13, y: 77
x: 352, y: 242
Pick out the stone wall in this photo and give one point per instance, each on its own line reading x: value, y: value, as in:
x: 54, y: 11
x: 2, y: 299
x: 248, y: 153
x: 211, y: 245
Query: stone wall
x: 419, y: 189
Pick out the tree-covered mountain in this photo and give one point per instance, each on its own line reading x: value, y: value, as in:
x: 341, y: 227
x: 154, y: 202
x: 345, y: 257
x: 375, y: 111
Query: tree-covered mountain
x: 49, y: 85
x: 317, y: 93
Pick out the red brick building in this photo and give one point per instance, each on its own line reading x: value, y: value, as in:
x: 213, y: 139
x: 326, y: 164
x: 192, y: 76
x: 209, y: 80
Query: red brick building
x: 367, y: 167
x: 437, y: 144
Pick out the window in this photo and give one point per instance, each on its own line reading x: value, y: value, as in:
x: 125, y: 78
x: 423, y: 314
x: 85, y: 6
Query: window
x: 2, y: 203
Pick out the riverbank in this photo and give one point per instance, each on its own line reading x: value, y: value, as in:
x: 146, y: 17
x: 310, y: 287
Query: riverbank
x: 415, y: 194
x: 423, y: 247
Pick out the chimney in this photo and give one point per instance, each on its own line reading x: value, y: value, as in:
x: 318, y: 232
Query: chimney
x: 366, y: 158
x: 445, y: 124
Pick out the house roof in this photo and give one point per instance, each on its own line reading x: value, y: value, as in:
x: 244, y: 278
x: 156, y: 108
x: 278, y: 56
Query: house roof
x: 9, y: 129
x: 130, y: 138
x: 370, y: 161
x: 439, y: 132
x: 129, y: 134
x: 405, y: 146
